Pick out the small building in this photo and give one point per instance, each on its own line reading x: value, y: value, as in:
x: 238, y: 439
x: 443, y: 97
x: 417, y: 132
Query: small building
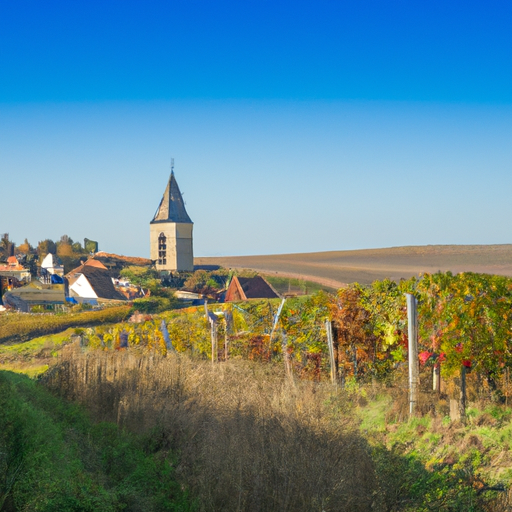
x: 129, y: 290
x: 14, y: 269
x: 170, y: 232
x: 36, y: 293
x: 91, y: 283
x: 52, y: 265
x: 245, y: 288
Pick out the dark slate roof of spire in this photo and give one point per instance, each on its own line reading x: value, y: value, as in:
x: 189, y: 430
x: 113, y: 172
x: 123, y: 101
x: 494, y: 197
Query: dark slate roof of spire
x: 172, y: 207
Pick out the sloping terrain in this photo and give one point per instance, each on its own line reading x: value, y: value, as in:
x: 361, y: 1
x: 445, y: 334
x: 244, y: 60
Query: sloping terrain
x: 335, y: 268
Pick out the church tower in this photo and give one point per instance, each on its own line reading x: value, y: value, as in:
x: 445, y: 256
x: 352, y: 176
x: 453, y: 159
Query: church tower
x: 171, y: 232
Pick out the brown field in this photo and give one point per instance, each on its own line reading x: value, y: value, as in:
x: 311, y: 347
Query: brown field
x: 336, y: 268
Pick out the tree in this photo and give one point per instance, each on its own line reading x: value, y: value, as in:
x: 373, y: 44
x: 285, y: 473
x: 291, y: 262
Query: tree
x: 65, y: 239
x: 77, y: 248
x: 45, y: 247
x: 90, y: 246
x: 6, y: 247
x: 140, y: 276
x: 24, y: 248
x: 65, y: 250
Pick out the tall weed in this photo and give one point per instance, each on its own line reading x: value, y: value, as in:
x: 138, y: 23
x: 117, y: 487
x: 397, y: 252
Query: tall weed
x: 248, y: 439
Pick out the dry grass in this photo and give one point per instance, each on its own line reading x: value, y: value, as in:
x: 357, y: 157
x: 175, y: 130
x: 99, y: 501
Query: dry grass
x: 334, y: 268
x: 247, y: 439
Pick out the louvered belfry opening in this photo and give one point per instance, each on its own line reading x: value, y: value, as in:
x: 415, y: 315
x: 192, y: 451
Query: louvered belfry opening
x: 162, y: 249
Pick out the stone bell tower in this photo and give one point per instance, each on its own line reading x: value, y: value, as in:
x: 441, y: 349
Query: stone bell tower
x: 171, y: 231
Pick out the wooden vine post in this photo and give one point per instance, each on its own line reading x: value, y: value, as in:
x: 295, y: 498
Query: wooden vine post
x: 215, y: 350
x: 212, y: 320
x: 226, y: 344
x: 330, y: 344
x: 284, y: 340
x: 414, y: 369
x: 286, y: 355
x: 436, y: 377
x: 228, y: 327
x: 462, y: 402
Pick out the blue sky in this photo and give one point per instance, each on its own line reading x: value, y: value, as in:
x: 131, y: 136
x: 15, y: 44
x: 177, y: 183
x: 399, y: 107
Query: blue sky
x: 295, y: 127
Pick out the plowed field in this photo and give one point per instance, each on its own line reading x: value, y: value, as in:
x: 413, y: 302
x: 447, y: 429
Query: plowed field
x: 336, y: 268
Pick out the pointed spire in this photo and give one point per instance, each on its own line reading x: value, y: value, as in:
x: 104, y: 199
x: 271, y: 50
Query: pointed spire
x: 172, y: 206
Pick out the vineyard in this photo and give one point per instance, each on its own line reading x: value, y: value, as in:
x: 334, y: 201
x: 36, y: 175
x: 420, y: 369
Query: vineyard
x: 18, y: 327
x: 236, y: 399
x: 464, y: 321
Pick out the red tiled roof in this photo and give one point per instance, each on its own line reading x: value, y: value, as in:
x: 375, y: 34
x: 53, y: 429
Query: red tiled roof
x: 89, y: 263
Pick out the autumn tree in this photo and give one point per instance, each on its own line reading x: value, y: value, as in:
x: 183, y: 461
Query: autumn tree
x: 24, y: 248
x: 46, y: 247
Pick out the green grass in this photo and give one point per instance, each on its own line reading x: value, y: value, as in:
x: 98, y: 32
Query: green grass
x: 29, y: 348
x: 30, y: 370
x: 459, y: 459
x: 33, y: 357
x: 373, y: 415
x: 53, y: 458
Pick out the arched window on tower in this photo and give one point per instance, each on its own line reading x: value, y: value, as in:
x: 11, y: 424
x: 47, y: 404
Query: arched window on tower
x: 162, y: 249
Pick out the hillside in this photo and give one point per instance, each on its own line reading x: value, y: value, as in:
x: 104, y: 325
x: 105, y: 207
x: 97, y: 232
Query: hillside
x: 54, y: 458
x: 335, y: 268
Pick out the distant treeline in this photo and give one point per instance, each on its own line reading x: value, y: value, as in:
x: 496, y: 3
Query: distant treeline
x: 69, y: 251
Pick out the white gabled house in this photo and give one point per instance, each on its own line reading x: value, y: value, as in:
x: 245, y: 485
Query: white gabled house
x: 91, y: 283
x: 52, y: 265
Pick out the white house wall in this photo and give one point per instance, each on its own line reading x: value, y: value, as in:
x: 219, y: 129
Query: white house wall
x: 82, y: 288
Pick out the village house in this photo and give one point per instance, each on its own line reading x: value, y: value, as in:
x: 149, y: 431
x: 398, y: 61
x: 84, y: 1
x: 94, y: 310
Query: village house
x: 51, y: 265
x: 14, y: 269
x: 49, y: 296
x: 91, y: 283
x: 245, y: 288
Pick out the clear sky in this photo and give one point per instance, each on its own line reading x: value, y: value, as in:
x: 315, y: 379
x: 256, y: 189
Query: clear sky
x: 295, y: 126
